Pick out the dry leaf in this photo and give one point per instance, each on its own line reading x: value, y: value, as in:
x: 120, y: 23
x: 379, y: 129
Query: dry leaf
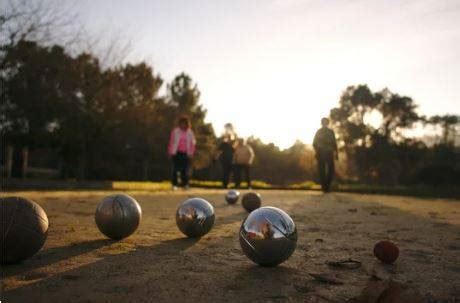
x: 327, y: 278
x: 345, y: 263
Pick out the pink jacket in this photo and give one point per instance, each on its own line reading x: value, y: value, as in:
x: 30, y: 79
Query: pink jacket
x: 175, y: 137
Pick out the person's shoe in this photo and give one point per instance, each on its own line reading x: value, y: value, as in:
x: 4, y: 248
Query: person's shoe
x: 174, y: 188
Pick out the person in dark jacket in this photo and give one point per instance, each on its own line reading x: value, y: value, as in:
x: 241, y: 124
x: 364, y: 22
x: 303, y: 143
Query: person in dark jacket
x: 226, y: 149
x: 325, y: 147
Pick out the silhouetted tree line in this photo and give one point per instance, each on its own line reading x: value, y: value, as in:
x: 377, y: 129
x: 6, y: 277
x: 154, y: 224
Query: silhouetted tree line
x: 272, y: 164
x: 292, y: 165
x: 99, y: 123
x: 69, y: 113
x: 383, y: 153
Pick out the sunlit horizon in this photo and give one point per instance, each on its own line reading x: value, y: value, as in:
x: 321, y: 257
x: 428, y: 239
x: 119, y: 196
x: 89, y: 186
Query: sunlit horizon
x: 274, y: 68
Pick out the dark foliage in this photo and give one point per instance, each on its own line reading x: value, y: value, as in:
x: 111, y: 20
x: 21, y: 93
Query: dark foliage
x: 382, y: 154
x: 103, y: 124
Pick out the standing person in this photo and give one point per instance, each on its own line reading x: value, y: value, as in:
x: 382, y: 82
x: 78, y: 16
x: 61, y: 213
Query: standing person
x: 226, y: 148
x: 181, y: 149
x: 325, y: 147
x: 243, y: 158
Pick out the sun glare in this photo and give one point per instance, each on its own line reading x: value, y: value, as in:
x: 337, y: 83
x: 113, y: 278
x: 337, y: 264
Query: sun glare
x: 373, y: 118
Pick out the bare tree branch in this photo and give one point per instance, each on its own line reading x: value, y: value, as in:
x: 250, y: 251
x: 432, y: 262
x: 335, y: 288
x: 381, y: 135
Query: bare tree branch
x: 46, y: 22
x: 110, y: 49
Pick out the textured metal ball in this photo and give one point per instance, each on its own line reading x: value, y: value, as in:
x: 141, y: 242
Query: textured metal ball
x: 118, y: 216
x: 268, y: 236
x: 232, y: 196
x: 23, y: 229
x: 195, y: 217
x: 251, y: 201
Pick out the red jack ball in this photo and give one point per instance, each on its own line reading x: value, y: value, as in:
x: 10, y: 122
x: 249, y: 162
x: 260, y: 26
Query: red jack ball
x: 386, y: 251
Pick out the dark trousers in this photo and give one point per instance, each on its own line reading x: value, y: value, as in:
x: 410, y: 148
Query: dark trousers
x: 226, y: 172
x: 242, y: 169
x: 181, y: 164
x: 326, y: 169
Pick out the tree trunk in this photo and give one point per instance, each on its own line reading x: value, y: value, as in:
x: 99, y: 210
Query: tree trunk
x: 16, y: 169
x: 25, y: 161
x: 81, y: 169
x: 9, y: 161
x: 145, y: 169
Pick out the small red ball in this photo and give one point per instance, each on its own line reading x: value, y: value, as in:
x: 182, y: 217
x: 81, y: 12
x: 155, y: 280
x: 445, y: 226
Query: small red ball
x: 386, y: 251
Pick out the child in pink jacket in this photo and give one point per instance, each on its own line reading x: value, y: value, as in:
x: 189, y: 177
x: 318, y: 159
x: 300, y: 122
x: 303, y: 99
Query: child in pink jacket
x: 181, y: 149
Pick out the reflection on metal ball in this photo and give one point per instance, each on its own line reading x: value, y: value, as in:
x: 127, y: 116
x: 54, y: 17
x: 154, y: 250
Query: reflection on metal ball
x: 268, y: 236
x: 232, y: 196
x: 23, y: 229
x: 118, y: 216
x: 251, y: 201
x: 195, y: 217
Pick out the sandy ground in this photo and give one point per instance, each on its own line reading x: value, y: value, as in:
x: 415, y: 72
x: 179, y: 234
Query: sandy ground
x: 158, y: 264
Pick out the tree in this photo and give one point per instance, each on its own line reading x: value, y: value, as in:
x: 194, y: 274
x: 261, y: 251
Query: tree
x: 82, y: 114
x: 348, y: 119
x: 373, y: 150
x: 21, y: 21
x: 44, y: 22
x: 31, y: 93
x: 448, y: 124
x: 398, y: 113
x: 135, y: 120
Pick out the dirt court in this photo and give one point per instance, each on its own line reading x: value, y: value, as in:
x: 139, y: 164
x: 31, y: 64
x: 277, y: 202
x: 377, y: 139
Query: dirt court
x: 158, y: 264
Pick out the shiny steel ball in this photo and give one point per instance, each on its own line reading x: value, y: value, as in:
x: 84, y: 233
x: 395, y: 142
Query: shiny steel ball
x: 23, y: 229
x: 268, y: 236
x: 251, y: 201
x: 118, y: 216
x: 232, y: 196
x: 195, y: 217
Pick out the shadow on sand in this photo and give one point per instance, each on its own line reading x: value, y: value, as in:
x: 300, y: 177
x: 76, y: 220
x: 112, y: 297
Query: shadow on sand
x: 53, y: 255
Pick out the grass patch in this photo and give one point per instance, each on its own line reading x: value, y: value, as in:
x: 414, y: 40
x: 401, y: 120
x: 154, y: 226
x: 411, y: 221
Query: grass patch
x: 141, y: 185
x: 257, y: 184
x: 415, y: 190
x: 307, y: 185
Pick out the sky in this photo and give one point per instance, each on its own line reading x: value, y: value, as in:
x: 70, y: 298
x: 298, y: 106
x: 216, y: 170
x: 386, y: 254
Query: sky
x: 273, y: 68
